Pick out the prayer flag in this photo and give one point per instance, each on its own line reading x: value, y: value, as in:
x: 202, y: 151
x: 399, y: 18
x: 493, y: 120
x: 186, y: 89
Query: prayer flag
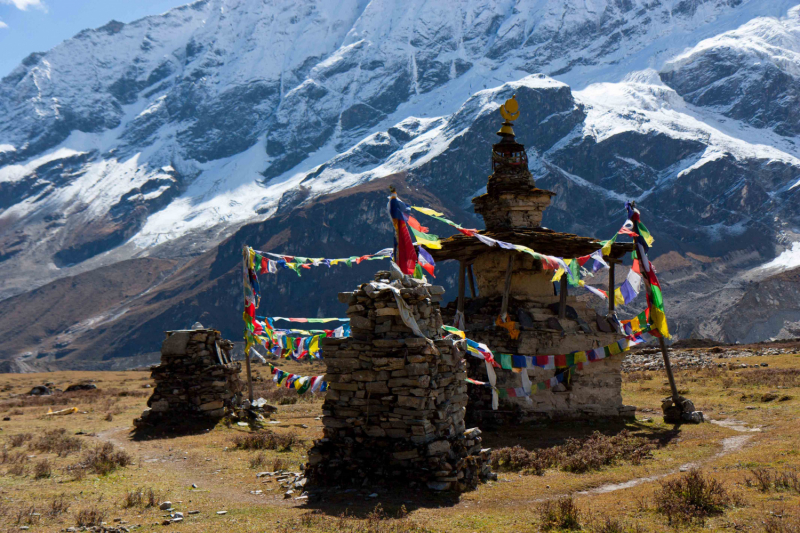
x: 425, y: 260
x: 406, y: 255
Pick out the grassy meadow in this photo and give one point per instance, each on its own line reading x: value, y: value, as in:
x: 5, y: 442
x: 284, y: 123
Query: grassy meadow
x: 738, y: 472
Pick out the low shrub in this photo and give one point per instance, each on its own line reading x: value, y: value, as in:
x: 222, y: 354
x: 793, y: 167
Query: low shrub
x: 266, y: 440
x: 691, y: 498
x: 43, y: 469
x: 142, y: 498
x: 17, y: 469
x: 90, y: 517
x: 559, y: 514
x: 575, y: 455
x: 58, y: 506
x: 258, y: 461
x: 19, y: 439
x: 103, y: 460
x: 781, y: 521
x: 56, y: 441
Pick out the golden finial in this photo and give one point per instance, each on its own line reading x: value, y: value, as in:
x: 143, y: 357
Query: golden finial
x: 510, y: 112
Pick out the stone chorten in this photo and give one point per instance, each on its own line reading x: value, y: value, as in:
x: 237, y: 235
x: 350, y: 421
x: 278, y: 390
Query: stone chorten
x: 396, y: 400
x: 196, y: 379
x: 512, y: 209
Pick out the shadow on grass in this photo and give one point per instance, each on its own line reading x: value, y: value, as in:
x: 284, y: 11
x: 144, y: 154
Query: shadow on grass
x: 395, y: 500
x: 534, y: 436
x: 173, y: 429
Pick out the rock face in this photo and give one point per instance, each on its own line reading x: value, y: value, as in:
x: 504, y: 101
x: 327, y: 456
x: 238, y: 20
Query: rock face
x: 394, y: 409
x: 195, y: 379
x: 165, y: 136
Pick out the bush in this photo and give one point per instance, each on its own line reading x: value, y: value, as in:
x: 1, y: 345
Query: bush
x: 90, y: 517
x: 259, y: 461
x: 691, y: 498
x: 782, y: 522
x: 58, y: 506
x: 559, y: 514
x: 518, y: 459
x: 57, y: 441
x: 19, y: 439
x: 17, y: 469
x: 764, y: 480
x: 575, y: 455
x: 266, y: 440
x: 103, y: 460
x: 141, y: 498
x: 599, y: 450
x: 43, y: 469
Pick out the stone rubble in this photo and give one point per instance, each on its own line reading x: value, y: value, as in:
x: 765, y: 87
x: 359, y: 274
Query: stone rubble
x: 650, y: 359
x: 394, y: 409
x: 194, y: 379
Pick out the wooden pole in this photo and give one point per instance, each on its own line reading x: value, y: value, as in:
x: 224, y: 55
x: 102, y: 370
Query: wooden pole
x: 472, y: 281
x: 664, y: 353
x: 562, y: 303
x: 461, y: 289
x: 507, y: 288
x: 249, y: 377
x: 610, y: 287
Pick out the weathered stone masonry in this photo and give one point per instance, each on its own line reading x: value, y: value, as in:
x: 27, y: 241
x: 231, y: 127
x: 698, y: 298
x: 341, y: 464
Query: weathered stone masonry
x: 396, y: 401
x: 195, y: 378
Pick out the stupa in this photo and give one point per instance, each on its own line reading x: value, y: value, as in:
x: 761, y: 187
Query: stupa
x: 539, y: 317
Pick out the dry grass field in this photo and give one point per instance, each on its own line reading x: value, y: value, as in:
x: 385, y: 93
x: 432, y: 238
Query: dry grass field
x: 740, y: 472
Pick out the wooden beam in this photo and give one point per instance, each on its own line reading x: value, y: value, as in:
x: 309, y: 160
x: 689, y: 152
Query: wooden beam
x: 610, y: 288
x: 507, y: 288
x: 664, y: 352
x: 249, y: 377
x: 562, y: 302
x: 668, y: 368
x: 461, y: 289
x: 472, y: 282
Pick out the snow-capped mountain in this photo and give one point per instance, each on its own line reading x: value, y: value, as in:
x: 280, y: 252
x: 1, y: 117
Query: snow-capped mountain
x: 163, y: 137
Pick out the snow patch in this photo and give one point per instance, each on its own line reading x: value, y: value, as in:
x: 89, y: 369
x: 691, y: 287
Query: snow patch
x: 787, y: 260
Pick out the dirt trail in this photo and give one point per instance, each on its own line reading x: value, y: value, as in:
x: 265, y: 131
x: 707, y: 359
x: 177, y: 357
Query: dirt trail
x: 729, y: 445
x: 186, y: 472
x: 191, y: 474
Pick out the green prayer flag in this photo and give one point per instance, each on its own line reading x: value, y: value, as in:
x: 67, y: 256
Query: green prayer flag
x: 505, y: 361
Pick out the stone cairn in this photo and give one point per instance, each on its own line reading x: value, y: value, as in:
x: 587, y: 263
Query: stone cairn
x: 196, y: 378
x: 395, y: 405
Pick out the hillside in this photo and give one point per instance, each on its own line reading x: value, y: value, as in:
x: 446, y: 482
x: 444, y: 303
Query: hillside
x: 183, y: 136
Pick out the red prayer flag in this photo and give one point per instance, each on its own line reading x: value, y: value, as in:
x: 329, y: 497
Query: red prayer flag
x: 414, y: 223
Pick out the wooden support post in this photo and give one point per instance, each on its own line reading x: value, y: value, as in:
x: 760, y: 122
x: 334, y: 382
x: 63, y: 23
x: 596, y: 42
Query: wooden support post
x: 461, y: 289
x: 668, y: 368
x: 472, y: 281
x: 562, y: 303
x: 610, y: 287
x: 507, y: 288
x: 664, y: 352
x: 249, y: 377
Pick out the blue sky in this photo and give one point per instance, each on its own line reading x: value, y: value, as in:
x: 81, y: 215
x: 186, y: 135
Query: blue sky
x: 38, y: 25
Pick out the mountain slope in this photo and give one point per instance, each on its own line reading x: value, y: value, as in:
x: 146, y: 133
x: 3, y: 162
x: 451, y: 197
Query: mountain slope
x: 166, y: 136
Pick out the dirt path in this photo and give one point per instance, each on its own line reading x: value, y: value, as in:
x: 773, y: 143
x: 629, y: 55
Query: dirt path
x: 729, y: 446
x: 188, y: 473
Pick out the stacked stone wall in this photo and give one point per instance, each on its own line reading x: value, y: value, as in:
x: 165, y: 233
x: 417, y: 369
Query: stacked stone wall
x: 195, y: 378
x: 396, y: 401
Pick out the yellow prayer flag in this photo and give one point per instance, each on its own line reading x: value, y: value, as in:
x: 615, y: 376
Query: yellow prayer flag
x: 580, y: 357
x: 659, y: 321
x: 619, y: 299
x: 557, y: 275
x: 428, y: 211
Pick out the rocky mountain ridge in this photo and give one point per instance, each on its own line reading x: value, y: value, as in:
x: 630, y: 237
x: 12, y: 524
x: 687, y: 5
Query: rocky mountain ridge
x: 166, y: 136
